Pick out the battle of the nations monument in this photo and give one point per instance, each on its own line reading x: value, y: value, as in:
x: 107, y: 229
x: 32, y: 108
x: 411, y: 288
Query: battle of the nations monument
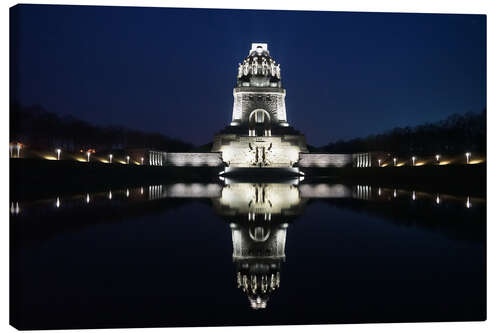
x: 259, y: 134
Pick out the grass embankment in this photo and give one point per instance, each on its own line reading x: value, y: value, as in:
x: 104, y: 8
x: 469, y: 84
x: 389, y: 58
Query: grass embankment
x: 33, y: 178
x: 453, y: 179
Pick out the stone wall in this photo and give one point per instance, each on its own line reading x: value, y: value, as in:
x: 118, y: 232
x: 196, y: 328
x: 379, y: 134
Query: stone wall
x: 270, y: 99
x: 194, y: 159
x: 260, y: 151
x: 307, y: 160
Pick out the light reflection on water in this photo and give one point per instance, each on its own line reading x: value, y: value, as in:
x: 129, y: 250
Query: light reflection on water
x: 258, y: 216
x: 214, y: 190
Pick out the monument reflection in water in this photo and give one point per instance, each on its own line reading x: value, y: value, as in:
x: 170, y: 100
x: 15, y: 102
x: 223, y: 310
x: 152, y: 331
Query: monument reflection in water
x: 258, y: 215
x: 351, y: 224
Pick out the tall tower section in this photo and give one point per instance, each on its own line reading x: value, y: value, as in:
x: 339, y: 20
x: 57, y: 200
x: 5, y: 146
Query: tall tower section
x: 259, y: 134
x: 259, y: 88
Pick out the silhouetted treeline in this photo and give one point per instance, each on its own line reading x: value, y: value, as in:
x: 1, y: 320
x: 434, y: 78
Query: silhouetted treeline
x: 40, y: 129
x: 453, y: 135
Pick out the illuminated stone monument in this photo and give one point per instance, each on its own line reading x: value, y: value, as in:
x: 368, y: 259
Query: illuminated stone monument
x: 259, y: 134
x: 258, y: 215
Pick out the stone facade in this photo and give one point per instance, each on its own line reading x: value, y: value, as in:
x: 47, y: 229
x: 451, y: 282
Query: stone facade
x: 259, y: 134
x: 194, y: 159
x: 247, y: 100
x: 248, y: 151
x: 325, y: 160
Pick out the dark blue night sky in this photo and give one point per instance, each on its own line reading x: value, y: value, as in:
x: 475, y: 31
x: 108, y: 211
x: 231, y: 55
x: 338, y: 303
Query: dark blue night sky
x: 173, y: 70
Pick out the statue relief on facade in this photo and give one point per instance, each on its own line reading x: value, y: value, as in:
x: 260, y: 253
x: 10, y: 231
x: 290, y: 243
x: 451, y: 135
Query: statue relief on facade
x: 240, y: 71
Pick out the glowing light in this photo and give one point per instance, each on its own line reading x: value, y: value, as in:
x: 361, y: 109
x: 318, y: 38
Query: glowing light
x: 88, y: 156
x: 395, y: 160
x: 379, y: 161
x: 87, y: 199
x: 437, y: 199
x: 437, y: 158
x: 110, y: 158
x: 419, y: 163
x: 413, y: 195
x: 444, y: 162
x: 476, y: 161
x: 14, y: 210
x: 413, y: 158
x: 379, y: 191
x: 58, y: 154
x: 58, y: 202
x: 467, y: 155
x: 18, y: 146
x: 467, y: 204
x: 142, y: 190
x: 128, y: 159
x: 142, y: 162
x: 395, y: 193
x: 128, y: 193
x: 50, y: 158
x: 110, y: 195
x: 81, y: 160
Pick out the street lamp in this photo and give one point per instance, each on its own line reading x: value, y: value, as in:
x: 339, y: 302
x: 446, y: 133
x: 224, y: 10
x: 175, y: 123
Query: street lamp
x: 88, y: 156
x: 110, y: 158
x: 467, y: 204
x: 413, y: 158
x: 142, y: 160
x: 128, y: 159
x: 467, y: 155
x: 18, y: 149
x: 437, y: 158
x: 58, y: 154
x: 394, y: 159
x: 379, y: 162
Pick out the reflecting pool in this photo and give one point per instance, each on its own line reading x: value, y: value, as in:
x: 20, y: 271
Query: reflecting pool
x: 235, y: 253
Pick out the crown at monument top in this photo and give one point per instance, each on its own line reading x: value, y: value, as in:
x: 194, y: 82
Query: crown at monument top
x: 259, y: 48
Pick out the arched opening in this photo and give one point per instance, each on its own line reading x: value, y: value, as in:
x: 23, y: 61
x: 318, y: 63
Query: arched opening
x: 259, y: 123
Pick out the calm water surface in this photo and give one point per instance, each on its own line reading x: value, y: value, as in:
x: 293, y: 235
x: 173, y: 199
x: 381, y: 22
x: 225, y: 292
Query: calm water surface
x: 247, y: 254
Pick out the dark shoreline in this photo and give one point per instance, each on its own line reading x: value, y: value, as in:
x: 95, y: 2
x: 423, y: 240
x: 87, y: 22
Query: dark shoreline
x: 35, y: 179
